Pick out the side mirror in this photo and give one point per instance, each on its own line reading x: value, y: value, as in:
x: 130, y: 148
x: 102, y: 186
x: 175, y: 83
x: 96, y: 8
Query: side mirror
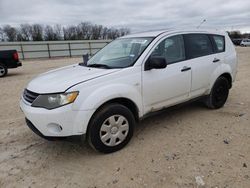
x: 85, y: 58
x: 155, y: 63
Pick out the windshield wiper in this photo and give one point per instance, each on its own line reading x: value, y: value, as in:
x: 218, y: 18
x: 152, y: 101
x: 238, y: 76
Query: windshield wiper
x: 97, y: 65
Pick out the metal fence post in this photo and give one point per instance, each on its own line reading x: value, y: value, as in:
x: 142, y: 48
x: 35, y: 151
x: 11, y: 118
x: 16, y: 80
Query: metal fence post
x: 90, y: 50
x: 22, y: 50
x: 48, y: 50
x: 70, y: 55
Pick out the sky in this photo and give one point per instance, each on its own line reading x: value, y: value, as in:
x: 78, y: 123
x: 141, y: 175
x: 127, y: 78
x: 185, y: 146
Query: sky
x: 138, y: 15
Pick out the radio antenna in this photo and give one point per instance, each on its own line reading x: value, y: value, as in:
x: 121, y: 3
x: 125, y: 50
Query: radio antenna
x: 203, y: 21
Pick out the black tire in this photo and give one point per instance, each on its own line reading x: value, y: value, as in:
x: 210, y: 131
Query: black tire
x: 219, y: 94
x: 98, y: 120
x: 3, y: 70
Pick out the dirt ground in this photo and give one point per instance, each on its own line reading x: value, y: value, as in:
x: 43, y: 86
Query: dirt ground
x: 184, y: 146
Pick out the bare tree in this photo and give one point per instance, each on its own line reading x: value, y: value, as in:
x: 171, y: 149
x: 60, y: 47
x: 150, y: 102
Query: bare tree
x: 65, y: 33
x: 235, y: 34
x: 37, y: 32
x: 238, y: 35
x: 1, y: 34
x: 113, y: 33
x: 96, y: 31
x: 10, y: 32
x: 246, y: 35
x: 58, y: 32
x: 53, y: 33
x: 49, y: 33
x: 82, y: 31
x: 70, y: 33
x: 25, y: 32
x: 104, y: 34
x: 124, y: 31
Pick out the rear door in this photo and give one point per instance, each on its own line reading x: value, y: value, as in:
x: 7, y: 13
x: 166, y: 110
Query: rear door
x: 219, y: 47
x: 201, y: 56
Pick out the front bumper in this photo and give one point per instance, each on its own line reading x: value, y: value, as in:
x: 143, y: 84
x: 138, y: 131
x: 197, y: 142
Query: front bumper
x: 36, y: 131
x: 59, y: 122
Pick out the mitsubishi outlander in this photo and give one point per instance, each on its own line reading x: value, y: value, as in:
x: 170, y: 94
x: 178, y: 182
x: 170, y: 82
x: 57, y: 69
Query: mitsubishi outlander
x: 104, y: 97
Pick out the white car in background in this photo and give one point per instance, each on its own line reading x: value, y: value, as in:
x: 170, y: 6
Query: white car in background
x: 245, y: 42
x: 128, y: 79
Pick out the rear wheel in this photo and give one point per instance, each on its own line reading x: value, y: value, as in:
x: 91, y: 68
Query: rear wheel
x: 3, y: 70
x: 219, y: 94
x: 111, y: 128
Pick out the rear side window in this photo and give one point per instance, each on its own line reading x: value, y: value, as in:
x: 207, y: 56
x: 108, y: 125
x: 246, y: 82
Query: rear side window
x: 219, y: 43
x: 197, y: 45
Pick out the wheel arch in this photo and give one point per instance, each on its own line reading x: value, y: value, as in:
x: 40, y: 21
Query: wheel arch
x: 5, y: 69
x: 224, y: 70
x: 228, y: 77
x: 131, y: 105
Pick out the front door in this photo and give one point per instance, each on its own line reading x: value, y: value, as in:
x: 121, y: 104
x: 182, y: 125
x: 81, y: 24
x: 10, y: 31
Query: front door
x: 171, y: 85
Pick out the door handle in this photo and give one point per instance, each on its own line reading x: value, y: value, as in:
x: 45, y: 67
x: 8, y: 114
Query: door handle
x: 185, y: 68
x: 216, y: 60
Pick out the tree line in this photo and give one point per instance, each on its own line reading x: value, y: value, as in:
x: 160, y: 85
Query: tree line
x: 238, y: 35
x: 39, y: 32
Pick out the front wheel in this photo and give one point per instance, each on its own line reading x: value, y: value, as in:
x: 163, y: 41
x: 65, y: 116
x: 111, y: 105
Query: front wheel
x: 3, y: 70
x: 219, y: 94
x: 111, y: 128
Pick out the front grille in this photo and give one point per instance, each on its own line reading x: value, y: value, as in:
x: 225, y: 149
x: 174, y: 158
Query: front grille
x: 29, y: 96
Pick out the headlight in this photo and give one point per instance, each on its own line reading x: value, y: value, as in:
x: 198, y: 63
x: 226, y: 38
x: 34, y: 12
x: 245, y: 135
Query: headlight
x: 52, y: 101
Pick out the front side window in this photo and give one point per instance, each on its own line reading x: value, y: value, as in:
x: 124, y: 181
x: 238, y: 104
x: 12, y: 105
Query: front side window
x: 120, y: 53
x: 219, y: 43
x: 197, y: 45
x: 172, y: 49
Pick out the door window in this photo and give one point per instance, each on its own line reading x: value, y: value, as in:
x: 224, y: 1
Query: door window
x: 219, y: 43
x: 172, y: 49
x: 197, y: 45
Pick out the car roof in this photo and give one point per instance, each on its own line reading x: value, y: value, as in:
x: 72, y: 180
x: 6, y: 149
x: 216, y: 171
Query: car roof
x: 170, y: 31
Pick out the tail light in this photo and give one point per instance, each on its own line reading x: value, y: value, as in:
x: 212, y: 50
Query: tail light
x: 15, y: 56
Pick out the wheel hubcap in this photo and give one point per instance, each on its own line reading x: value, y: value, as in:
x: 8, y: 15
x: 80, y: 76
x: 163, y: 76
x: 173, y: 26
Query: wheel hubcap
x: 2, y: 71
x: 114, y: 130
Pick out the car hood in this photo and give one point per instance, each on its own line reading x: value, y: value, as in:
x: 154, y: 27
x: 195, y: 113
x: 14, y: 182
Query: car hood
x: 59, y: 80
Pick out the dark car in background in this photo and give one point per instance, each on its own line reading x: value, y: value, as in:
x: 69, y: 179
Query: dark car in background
x: 237, y: 42
x: 8, y: 59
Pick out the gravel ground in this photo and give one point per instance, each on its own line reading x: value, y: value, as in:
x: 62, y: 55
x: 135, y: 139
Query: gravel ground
x: 185, y: 146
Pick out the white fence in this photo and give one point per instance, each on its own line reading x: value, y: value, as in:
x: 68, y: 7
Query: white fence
x: 49, y: 49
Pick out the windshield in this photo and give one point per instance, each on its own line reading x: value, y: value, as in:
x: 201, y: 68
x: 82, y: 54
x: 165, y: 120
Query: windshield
x: 120, y: 53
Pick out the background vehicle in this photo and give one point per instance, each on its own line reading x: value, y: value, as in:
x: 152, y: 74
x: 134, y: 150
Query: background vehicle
x: 245, y: 42
x: 236, y: 41
x: 128, y: 79
x: 8, y: 59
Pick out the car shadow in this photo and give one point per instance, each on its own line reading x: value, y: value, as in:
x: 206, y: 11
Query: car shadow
x: 166, y: 114
x: 11, y: 74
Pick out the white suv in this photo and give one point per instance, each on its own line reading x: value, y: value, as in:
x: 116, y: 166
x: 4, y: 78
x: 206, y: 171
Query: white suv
x: 128, y: 79
x: 245, y: 42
